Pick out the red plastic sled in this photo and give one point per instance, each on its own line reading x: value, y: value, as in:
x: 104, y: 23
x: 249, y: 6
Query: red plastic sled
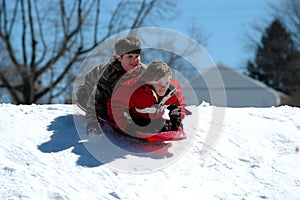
x: 153, y: 137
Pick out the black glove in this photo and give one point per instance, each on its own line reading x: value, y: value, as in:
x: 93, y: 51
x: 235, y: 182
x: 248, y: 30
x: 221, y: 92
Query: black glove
x: 93, y: 129
x: 167, y: 127
x: 174, y: 115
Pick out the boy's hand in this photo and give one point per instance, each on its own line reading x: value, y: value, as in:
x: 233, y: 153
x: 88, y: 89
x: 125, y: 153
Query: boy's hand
x: 92, y: 129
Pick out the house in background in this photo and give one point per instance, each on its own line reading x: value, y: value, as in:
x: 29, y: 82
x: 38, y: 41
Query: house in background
x: 223, y: 86
x: 296, y: 98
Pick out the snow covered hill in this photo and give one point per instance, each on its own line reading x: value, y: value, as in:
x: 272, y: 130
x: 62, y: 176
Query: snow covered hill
x: 45, y: 155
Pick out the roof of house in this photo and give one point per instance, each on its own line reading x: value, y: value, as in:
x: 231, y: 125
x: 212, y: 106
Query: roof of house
x: 234, y: 80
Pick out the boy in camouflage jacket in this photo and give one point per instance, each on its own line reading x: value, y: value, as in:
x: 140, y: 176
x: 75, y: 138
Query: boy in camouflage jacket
x: 124, y: 65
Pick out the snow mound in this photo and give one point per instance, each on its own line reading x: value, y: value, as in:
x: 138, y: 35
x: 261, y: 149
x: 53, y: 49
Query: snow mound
x: 254, y: 155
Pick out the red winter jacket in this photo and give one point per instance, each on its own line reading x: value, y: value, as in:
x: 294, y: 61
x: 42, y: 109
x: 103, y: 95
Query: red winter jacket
x: 136, y: 101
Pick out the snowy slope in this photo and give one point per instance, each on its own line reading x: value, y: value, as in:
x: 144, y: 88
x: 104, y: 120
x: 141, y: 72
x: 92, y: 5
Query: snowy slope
x: 42, y: 156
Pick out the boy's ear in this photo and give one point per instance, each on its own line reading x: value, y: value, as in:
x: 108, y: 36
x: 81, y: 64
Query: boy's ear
x: 119, y: 58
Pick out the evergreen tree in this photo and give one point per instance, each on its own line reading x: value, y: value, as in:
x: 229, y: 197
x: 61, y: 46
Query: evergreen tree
x: 277, y: 61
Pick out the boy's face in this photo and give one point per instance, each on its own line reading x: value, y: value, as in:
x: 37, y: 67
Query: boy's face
x: 129, y: 62
x: 160, y: 86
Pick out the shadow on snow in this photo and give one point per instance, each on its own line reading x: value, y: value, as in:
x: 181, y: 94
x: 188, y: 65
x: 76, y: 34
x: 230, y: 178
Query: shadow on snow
x: 65, y: 136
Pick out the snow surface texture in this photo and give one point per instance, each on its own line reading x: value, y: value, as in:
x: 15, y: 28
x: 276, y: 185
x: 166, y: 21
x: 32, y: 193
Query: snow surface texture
x: 42, y: 156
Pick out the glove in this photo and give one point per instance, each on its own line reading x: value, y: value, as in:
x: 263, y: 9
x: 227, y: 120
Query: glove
x: 174, y: 111
x: 167, y: 127
x: 174, y: 115
x: 92, y: 129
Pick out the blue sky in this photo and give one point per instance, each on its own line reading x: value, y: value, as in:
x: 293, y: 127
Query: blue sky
x: 227, y: 23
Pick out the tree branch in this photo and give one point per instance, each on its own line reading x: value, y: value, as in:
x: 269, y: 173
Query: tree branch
x: 24, y: 35
x: 58, y: 79
x: 9, y: 87
x: 39, y: 23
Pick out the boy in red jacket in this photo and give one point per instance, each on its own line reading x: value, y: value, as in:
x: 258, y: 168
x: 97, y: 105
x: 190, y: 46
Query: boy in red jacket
x: 139, y: 103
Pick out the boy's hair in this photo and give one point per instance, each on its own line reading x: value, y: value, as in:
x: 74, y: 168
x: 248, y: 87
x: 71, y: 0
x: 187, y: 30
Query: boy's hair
x: 130, y: 44
x: 155, y: 71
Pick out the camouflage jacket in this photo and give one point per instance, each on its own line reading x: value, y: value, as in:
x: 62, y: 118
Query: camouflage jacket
x: 108, y: 77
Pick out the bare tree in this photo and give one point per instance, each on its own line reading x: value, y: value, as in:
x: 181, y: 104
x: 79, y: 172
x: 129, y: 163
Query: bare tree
x: 44, y: 41
x: 179, y: 62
